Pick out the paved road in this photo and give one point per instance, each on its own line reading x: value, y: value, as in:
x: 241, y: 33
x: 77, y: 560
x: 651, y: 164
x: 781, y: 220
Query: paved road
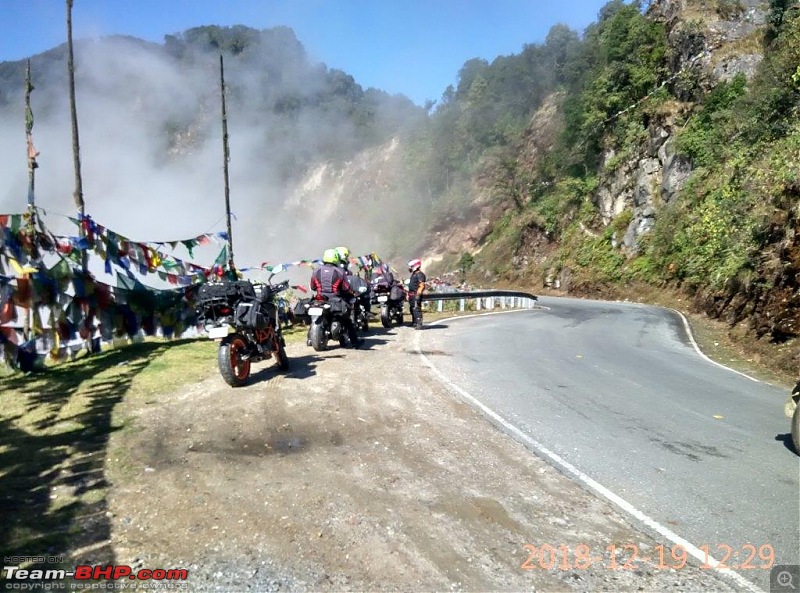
x: 618, y: 391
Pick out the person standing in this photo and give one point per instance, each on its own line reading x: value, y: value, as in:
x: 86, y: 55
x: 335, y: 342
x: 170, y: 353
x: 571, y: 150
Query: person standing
x: 416, y: 288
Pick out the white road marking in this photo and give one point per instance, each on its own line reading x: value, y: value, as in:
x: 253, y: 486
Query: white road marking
x: 700, y: 352
x: 577, y: 474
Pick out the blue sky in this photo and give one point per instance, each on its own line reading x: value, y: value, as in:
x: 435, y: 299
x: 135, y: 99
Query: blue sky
x: 414, y: 47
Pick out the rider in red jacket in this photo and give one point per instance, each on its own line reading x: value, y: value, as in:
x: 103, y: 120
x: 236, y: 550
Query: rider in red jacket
x: 330, y: 282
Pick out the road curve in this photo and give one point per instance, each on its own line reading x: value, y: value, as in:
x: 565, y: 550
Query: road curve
x: 618, y: 391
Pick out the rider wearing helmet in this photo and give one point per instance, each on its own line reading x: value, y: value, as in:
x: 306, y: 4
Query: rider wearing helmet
x: 330, y: 282
x: 416, y: 287
x: 344, y: 258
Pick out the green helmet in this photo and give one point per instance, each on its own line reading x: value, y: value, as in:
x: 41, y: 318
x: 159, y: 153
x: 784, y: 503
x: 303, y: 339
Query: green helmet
x: 344, y: 254
x: 330, y: 256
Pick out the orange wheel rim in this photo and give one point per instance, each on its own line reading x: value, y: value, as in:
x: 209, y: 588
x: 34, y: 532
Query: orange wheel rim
x: 241, y: 368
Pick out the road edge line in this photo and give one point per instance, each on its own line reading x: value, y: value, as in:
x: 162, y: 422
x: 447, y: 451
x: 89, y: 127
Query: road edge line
x: 696, y: 347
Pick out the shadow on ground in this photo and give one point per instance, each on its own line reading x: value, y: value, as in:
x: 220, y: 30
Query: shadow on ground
x: 54, y: 431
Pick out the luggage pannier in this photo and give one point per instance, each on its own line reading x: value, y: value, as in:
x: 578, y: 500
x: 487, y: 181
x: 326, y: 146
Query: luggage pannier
x: 226, y: 291
x: 397, y: 293
x: 251, y: 315
x: 338, y: 305
x: 300, y: 307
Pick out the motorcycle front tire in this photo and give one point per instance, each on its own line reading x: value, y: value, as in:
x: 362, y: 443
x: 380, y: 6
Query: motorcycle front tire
x: 796, y: 429
x: 386, y: 319
x: 233, y: 369
x: 318, y: 336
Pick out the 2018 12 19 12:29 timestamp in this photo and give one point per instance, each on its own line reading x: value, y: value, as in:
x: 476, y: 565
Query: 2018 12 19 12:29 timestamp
x: 629, y: 557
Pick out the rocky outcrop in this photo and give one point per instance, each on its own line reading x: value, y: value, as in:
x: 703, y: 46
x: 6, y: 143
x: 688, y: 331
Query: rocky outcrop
x: 713, y: 41
x: 334, y: 195
x: 706, y: 41
x: 642, y: 184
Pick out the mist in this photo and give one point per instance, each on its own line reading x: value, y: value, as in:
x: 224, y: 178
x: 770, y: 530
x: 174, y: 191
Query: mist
x: 151, y: 141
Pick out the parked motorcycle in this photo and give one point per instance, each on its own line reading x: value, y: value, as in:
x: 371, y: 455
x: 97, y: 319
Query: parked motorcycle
x: 243, y: 317
x: 361, y: 309
x: 327, y: 322
x: 792, y: 410
x: 390, y: 300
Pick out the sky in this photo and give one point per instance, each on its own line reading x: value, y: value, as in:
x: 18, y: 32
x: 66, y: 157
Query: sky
x: 413, y: 47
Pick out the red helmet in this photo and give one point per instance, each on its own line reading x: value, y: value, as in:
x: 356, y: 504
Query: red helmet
x: 414, y: 265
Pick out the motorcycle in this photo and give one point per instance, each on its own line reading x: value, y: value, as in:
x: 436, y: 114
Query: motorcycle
x: 792, y: 410
x: 361, y: 310
x: 327, y: 322
x: 243, y: 317
x: 390, y: 300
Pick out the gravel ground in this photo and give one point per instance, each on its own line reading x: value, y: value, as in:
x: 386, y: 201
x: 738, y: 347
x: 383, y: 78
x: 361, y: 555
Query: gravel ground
x: 358, y: 471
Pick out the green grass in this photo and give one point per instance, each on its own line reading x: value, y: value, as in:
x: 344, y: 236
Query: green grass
x: 55, y: 427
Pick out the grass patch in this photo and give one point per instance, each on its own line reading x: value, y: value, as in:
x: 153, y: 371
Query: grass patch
x: 55, y: 428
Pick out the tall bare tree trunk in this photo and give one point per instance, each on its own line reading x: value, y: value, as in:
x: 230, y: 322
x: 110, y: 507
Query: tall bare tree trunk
x: 76, y: 149
x: 26, y: 330
x: 227, y: 157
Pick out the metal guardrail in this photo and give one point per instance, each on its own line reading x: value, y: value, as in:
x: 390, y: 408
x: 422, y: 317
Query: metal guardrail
x: 476, y: 294
x: 485, y: 299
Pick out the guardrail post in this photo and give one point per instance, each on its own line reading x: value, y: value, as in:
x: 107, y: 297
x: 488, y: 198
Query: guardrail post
x: 460, y: 304
x: 441, y: 303
x: 503, y: 302
x: 478, y: 304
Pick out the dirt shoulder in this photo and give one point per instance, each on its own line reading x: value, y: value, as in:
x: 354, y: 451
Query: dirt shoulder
x: 357, y: 471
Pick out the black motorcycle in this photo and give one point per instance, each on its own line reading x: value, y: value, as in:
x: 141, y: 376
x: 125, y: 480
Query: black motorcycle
x: 328, y: 318
x: 361, y: 310
x: 390, y: 299
x: 244, y: 318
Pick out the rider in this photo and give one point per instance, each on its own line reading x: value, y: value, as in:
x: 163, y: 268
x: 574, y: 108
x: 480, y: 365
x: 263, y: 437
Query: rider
x: 355, y: 282
x: 344, y: 258
x: 416, y: 288
x: 382, y: 277
x: 329, y: 281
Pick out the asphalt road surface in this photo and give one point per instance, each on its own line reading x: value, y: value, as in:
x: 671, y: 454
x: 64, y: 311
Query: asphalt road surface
x: 616, y: 394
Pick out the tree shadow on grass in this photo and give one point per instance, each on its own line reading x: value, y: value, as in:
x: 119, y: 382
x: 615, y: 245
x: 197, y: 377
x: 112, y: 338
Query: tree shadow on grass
x: 54, y: 433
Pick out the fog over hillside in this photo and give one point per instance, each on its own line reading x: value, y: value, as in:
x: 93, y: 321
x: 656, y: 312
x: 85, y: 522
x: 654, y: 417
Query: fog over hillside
x: 151, y: 136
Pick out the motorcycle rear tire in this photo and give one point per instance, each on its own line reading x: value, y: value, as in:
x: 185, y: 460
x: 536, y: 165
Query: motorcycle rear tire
x: 337, y: 330
x: 386, y: 319
x: 319, y: 339
x: 233, y: 369
x: 796, y: 429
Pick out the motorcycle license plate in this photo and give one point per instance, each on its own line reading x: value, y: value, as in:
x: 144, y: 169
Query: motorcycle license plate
x: 383, y: 298
x: 215, y: 333
x: 315, y: 311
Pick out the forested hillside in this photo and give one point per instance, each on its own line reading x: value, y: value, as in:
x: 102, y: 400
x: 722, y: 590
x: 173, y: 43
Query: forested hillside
x: 660, y: 147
